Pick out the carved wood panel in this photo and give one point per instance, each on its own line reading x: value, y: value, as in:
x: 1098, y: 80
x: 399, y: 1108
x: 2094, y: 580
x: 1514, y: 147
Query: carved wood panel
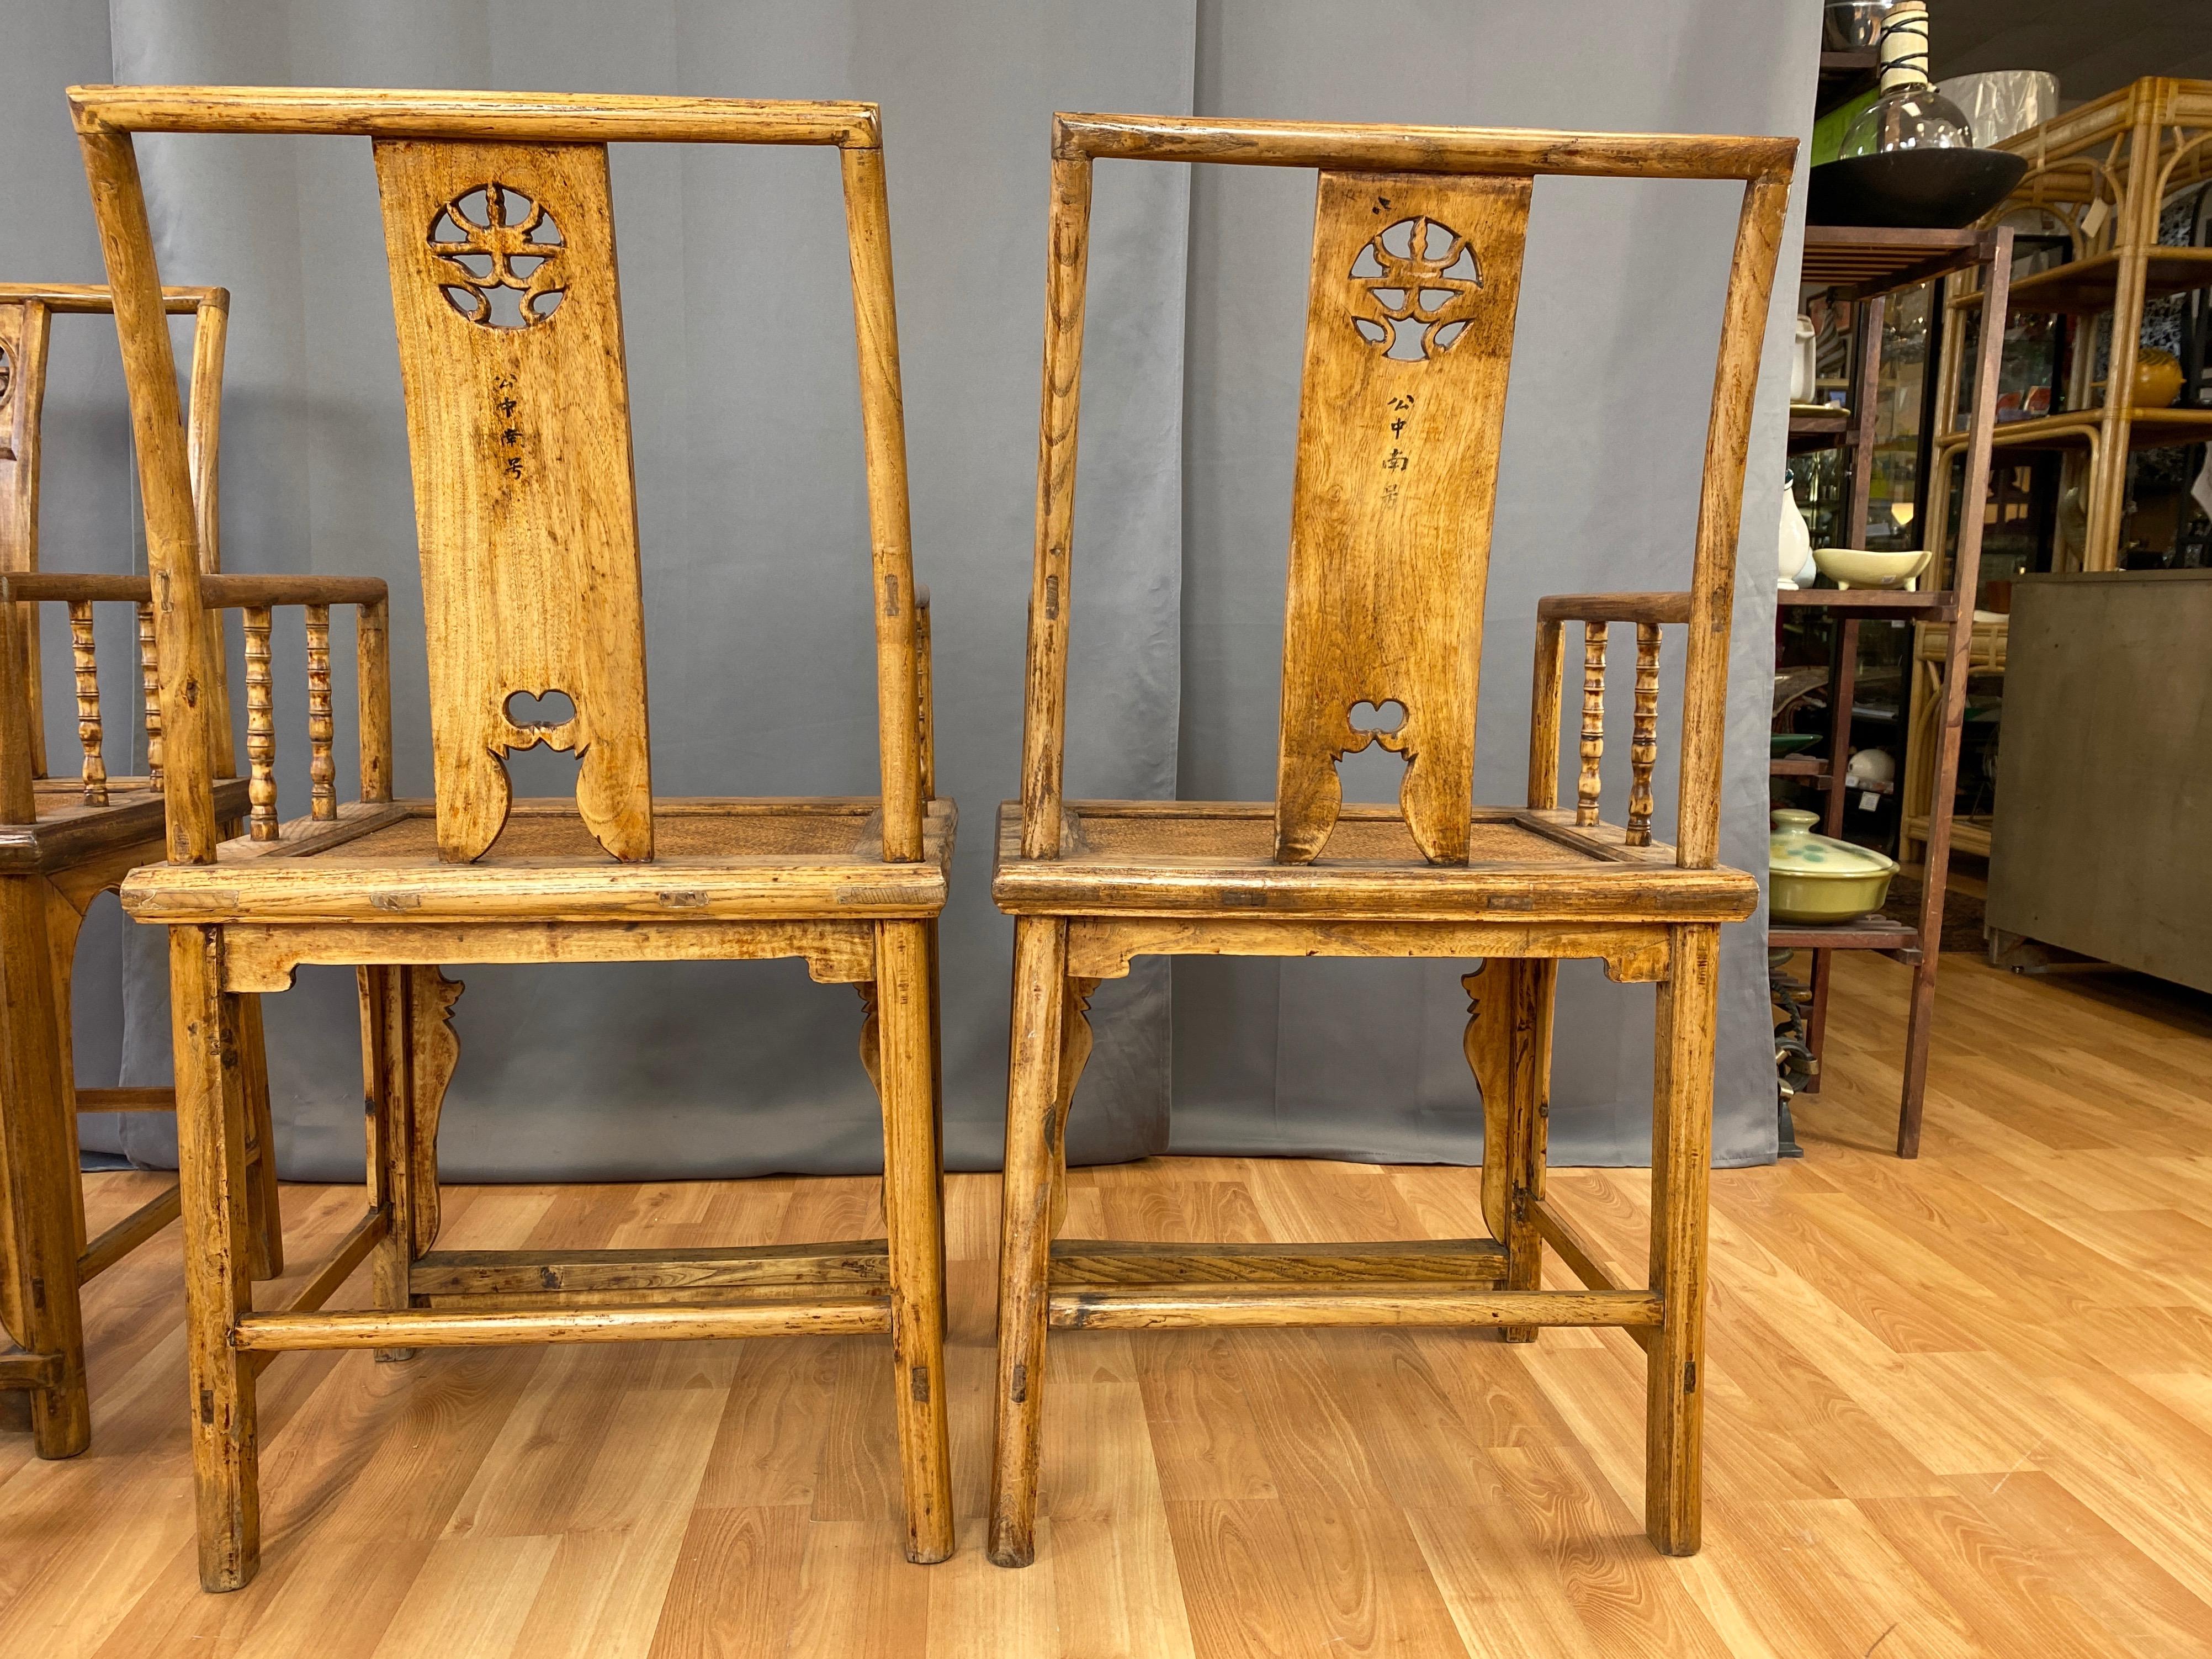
x: 1409, y: 338
x: 505, y: 293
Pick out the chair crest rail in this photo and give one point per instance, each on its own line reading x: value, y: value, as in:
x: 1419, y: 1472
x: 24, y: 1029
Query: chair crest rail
x: 1418, y: 149
x: 533, y: 117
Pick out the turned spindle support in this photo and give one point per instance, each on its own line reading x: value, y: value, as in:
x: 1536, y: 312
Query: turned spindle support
x: 260, y: 726
x: 1643, y: 744
x: 87, y: 703
x: 322, y: 771
x: 149, y: 681
x: 1593, y: 721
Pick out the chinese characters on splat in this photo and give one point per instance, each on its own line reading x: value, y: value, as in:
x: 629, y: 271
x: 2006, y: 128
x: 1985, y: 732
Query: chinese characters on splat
x: 510, y: 435
x: 1397, y: 460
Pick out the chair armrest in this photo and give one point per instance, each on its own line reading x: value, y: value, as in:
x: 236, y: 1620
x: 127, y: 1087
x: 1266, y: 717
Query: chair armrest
x: 1614, y: 607
x: 216, y: 591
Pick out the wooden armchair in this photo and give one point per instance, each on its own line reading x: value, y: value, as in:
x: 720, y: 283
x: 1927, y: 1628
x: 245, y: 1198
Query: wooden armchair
x: 63, y: 842
x: 1416, y: 255
x: 498, y: 222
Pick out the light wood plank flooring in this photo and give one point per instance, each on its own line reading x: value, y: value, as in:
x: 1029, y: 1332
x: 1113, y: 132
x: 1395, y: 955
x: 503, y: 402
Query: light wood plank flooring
x: 1958, y: 1407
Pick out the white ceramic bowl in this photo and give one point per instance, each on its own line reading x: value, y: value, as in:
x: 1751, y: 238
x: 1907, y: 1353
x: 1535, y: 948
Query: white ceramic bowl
x: 1859, y: 567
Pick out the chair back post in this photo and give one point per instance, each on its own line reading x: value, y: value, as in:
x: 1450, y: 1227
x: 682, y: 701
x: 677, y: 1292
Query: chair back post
x: 1391, y: 524
x: 18, y: 787
x: 23, y: 336
x: 1044, y: 710
x: 1720, y: 512
x: 882, y: 424
x: 181, y: 624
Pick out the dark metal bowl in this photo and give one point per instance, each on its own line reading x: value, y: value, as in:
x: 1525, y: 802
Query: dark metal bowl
x: 1912, y: 189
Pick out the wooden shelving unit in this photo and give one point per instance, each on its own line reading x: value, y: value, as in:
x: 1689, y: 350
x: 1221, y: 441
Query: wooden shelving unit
x: 1843, y: 76
x: 1864, y: 266
x: 2099, y: 176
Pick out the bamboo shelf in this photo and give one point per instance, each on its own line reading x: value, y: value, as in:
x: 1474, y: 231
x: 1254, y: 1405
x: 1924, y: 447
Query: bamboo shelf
x: 2099, y: 176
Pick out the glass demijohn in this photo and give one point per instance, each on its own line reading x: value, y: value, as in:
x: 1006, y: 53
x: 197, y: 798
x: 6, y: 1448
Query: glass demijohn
x: 1909, y: 114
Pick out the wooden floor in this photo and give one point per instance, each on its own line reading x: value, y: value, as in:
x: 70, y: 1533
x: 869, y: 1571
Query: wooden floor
x: 1959, y: 1408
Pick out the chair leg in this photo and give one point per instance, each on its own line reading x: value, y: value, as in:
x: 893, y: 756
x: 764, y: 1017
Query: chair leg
x: 38, y: 1175
x: 1532, y: 981
x: 266, y: 1214
x: 64, y: 921
x: 1681, y: 1152
x: 212, y: 1177
x: 1025, y: 1232
x: 387, y: 1041
x: 914, y: 1211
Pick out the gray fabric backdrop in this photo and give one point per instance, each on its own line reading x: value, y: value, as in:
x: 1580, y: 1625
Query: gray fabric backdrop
x: 739, y: 333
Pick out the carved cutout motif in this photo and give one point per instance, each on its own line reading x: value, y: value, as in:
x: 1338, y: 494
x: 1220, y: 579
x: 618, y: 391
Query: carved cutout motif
x: 1377, y: 731
x: 1418, y: 279
x: 6, y: 375
x: 536, y: 717
x: 1372, y: 722
x: 502, y: 252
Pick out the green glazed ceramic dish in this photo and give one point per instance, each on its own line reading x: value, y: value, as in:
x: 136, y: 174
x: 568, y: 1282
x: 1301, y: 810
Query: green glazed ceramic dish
x: 1813, y: 879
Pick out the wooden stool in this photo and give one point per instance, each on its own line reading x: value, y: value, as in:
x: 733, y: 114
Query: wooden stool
x: 498, y: 222
x: 64, y: 843
x: 1416, y: 268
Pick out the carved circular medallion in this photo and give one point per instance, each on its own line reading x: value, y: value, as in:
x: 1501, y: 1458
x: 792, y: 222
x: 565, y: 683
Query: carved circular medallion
x: 1419, y: 280
x: 502, y: 254
x: 7, y: 374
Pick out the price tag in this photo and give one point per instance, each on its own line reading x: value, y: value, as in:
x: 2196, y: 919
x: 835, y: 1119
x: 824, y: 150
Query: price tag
x: 2094, y: 220
x: 1867, y: 798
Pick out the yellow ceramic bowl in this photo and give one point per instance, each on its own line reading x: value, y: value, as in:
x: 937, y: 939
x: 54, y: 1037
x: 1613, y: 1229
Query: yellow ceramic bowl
x: 1860, y: 567
x: 1812, y: 880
